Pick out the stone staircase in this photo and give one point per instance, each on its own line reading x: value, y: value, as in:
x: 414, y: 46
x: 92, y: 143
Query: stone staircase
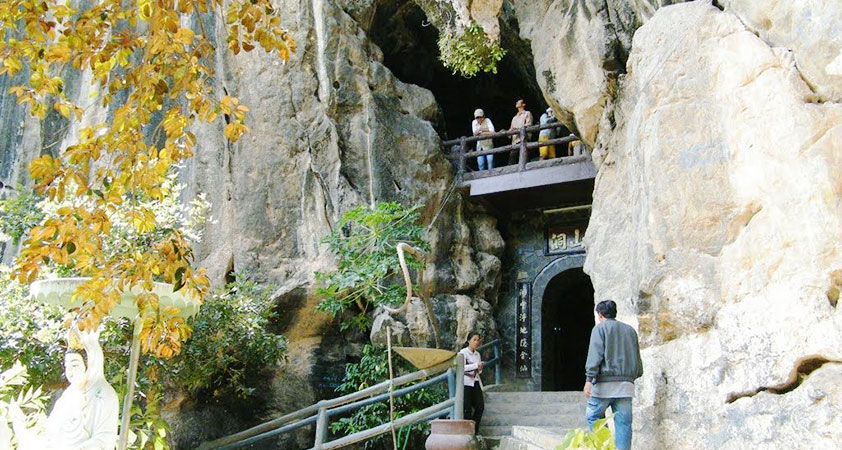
x: 537, y: 417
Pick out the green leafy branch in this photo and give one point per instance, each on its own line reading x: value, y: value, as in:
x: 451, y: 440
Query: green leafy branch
x: 367, y: 263
x: 470, y: 52
x: 598, y: 439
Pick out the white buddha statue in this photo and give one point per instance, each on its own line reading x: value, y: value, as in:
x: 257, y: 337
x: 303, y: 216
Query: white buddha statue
x: 85, y: 417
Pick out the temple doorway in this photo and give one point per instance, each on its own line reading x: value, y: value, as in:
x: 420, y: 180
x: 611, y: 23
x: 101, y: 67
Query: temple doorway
x: 567, y: 319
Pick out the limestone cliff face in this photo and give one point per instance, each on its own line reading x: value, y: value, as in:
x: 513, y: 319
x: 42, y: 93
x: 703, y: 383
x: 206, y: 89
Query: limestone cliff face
x: 716, y: 217
x: 330, y: 130
x: 716, y: 225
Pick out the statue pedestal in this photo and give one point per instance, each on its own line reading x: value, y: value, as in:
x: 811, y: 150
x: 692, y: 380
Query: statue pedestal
x: 451, y: 435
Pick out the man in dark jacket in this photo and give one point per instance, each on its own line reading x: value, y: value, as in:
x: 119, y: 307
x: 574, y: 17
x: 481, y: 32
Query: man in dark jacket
x: 612, y: 366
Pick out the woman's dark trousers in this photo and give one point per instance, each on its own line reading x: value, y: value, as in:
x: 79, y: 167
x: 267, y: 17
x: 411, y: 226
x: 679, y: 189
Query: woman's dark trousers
x: 474, y: 405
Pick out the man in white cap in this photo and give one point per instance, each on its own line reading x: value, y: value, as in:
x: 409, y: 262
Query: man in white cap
x: 482, y: 126
x: 547, y: 151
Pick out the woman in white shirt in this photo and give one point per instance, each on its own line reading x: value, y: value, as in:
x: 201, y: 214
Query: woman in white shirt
x: 474, y: 403
x: 482, y: 126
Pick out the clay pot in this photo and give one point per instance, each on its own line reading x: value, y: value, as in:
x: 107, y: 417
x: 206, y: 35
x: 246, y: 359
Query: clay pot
x: 451, y: 435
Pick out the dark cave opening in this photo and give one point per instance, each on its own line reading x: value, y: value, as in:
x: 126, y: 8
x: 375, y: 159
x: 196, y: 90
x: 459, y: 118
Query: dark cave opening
x: 409, y: 44
x: 567, y: 320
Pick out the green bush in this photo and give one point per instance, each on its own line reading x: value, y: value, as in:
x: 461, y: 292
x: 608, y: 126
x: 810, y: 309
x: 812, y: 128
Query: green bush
x: 231, y: 343
x: 373, y: 368
x: 469, y: 52
x: 19, y: 213
x: 30, y: 332
x: 368, y: 272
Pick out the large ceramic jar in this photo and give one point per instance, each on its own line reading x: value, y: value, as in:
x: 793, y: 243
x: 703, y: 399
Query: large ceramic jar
x: 452, y: 435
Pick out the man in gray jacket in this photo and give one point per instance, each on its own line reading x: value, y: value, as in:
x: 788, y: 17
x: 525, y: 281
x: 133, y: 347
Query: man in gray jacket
x: 612, y: 366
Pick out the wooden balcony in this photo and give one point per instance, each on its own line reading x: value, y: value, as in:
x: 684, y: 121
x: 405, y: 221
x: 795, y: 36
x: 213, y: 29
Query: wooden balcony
x: 566, y: 179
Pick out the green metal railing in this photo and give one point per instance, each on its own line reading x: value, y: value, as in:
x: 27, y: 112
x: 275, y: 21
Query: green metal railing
x: 320, y: 413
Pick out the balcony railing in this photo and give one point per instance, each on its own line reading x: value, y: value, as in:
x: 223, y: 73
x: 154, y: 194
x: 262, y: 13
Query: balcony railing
x: 463, y: 153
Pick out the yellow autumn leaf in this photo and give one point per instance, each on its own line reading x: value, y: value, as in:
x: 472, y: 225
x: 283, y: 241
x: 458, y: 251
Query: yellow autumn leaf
x: 184, y: 36
x: 11, y: 65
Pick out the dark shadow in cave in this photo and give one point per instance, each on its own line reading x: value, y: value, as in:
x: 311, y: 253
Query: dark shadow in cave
x: 410, y: 51
x: 567, y: 320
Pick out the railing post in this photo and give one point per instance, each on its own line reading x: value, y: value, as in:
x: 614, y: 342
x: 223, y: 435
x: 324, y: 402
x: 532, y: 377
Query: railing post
x: 463, y: 148
x: 524, y: 153
x: 321, y: 428
x: 459, y: 405
x: 451, y: 390
x: 498, y: 368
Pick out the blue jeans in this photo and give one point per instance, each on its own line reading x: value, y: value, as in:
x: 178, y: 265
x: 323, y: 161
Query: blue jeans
x: 481, y: 161
x: 622, y: 408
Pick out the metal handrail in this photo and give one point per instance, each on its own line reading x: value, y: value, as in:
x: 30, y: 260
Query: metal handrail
x: 450, y: 372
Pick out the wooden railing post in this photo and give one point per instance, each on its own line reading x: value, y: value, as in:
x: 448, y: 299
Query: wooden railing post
x: 460, y: 388
x: 524, y: 152
x: 498, y: 368
x: 463, y: 148
x: 321, y: 428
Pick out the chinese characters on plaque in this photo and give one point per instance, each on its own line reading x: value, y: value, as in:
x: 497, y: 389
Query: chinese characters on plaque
x: 523, y: 347
x: 564, y: 239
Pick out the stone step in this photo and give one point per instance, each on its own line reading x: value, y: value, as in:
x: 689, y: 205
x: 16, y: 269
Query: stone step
x: 526, y: 409
x: 545, y: 420
x: 510, y: 443
x: 530, y: 438
x: 500, y: 431
x: 534, y: 397
x: 539, y: 437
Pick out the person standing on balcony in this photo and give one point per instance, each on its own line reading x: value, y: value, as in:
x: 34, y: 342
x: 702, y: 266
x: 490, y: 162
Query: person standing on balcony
x: 474, y: 403
x: 547, y: 151
x: 523, y: 118
x: 483, y: 126
x: 612, y: 366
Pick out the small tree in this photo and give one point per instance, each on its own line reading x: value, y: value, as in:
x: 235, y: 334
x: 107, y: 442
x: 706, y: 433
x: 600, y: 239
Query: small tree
x: 368, y: 266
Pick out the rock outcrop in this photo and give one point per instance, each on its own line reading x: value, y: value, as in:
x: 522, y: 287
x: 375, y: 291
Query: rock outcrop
x: 716, y: 225
x: 580, y: 48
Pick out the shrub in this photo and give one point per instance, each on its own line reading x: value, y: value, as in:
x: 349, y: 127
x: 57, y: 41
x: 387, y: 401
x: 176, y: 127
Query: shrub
x: 19, y: 214
x: 368, y: 269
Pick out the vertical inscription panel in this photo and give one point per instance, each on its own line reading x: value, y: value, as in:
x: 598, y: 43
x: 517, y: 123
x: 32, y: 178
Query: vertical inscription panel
x: 523, y: 358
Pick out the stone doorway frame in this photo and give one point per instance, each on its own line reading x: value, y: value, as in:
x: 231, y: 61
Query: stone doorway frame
x: 542, y: 280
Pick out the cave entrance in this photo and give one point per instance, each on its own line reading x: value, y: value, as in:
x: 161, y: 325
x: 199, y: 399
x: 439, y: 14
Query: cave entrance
x: 410, y: 50
x: 567, y: 319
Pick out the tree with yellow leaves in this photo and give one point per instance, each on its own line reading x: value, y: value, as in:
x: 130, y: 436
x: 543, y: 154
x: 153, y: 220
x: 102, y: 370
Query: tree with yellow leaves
x: 151, y: 62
